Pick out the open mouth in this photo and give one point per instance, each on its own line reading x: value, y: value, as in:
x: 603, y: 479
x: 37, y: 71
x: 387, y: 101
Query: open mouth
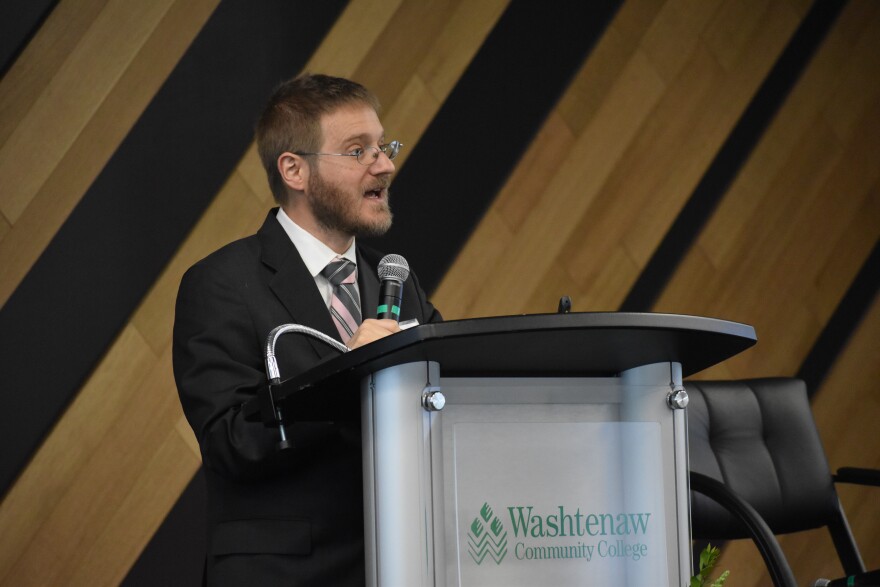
x: 375, y: 194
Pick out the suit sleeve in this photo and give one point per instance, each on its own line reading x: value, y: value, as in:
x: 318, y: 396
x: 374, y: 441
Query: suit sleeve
x: 429, y: 312
x: 218, y: 367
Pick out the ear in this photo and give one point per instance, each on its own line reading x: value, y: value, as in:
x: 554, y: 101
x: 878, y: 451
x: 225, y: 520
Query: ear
x: 294, y: 171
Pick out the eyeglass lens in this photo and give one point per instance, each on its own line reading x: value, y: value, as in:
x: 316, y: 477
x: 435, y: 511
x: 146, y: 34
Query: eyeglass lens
x: 369, y: 155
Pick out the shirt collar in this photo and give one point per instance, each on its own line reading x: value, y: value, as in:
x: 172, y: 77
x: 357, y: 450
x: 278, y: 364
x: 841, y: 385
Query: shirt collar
x: 314, y: 253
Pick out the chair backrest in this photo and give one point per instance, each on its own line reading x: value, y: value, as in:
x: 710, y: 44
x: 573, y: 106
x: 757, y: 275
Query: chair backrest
x: 758, y: 436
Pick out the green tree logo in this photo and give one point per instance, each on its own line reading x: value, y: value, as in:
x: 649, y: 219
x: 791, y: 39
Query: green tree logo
x: 487, y: 537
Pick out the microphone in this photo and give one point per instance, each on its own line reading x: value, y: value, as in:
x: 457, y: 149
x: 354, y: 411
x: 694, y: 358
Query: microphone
x: 867, y: 578
x: 393, y: 271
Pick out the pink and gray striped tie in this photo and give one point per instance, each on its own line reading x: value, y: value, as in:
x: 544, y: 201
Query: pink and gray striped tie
x: 345, y: 306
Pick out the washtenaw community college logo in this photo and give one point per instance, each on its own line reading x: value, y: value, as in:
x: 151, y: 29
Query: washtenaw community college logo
x: 487, y: 536
x: 559, y: 534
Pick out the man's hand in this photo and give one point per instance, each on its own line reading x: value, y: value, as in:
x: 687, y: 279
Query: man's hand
x: 372, y: 329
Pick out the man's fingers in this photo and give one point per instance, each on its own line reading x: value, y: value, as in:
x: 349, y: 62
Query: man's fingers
x: 371, y: 330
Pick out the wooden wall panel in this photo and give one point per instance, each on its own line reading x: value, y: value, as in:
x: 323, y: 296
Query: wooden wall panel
x: 86, y: 77
x: 40, y: 61
x: 66, y: 452
x: 613, y: 194
x: 804, y: 189
x: 69, y: 101
x: 781, y: 251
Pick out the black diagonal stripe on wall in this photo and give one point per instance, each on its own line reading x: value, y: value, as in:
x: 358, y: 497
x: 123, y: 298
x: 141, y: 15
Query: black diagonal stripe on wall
x: 85, y: 286
x: 840, y: 327
x: 485, y: 126
x: 733, y: 154
x: 19, y: 21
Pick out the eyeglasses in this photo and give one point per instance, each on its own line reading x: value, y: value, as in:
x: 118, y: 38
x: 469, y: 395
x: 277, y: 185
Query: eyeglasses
x: 368, y: 155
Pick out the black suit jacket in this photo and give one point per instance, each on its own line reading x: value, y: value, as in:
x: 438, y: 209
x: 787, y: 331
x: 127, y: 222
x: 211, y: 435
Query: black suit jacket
x: 291, y: 517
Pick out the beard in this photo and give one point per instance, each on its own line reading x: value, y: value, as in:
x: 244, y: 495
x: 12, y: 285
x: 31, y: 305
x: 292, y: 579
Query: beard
x: 338, y: 211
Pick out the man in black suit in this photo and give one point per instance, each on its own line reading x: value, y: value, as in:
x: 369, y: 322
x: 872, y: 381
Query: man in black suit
x: 291, y: 517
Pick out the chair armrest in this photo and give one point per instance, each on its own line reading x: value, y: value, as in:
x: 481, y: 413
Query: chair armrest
x: 858, y: 475
x: 777, y: 565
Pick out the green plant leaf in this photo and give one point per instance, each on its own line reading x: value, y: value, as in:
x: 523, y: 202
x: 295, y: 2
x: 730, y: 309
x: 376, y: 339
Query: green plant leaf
x: 719, y: 582
x: 708, y: 559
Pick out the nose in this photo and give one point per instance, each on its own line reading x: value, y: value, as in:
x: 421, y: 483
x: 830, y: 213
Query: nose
x: 382, y: 165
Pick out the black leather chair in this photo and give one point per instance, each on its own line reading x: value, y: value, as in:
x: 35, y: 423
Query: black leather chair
x: 754, y: 448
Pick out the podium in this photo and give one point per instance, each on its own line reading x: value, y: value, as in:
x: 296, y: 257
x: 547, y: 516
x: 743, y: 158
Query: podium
x: 545, y: 449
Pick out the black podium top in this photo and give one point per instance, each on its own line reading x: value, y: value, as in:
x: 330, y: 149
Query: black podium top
x: 594, y: 344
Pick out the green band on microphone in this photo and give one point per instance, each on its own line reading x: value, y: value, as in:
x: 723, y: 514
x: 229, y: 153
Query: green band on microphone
x: 384, y: 308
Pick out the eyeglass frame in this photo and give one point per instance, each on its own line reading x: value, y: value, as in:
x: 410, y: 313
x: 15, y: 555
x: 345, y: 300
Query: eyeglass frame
x: 394, y: 146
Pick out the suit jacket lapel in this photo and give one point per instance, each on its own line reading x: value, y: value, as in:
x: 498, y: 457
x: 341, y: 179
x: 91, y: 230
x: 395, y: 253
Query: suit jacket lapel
x: 368, y: 285
x: 294, y: 285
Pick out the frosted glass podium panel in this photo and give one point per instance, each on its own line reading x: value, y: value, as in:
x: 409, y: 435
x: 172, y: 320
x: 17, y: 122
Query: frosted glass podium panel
x: 526, y: 481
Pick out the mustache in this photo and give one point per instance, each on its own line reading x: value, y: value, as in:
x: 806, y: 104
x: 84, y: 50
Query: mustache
x: 380, y: 184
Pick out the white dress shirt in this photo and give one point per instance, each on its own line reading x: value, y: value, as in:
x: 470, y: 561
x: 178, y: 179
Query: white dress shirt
x: 315, y: 254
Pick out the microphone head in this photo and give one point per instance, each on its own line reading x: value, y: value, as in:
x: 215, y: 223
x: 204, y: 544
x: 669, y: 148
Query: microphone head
x: 393, y: 267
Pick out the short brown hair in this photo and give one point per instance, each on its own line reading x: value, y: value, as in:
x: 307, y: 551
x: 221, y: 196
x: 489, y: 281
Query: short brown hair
x: 291, y: 120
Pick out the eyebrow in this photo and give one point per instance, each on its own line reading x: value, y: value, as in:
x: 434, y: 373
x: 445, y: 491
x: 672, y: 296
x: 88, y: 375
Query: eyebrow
x: 363, y: 137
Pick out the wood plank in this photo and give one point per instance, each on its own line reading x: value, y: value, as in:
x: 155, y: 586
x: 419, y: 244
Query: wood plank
x: 840, y: 262
x: 813, y: 91
x: 165, y: 473
x: 729, y: 32
x: 859, y: 74
x: 671, y: 153
x: 521, y: 194
x: 776, y: 254
x: 455, y: 46
x: 572, y: 190
x: 68, y: 178
x: 405, y: 42
x: 466, y: 278
x: 603, y: 66
x: 39, y: 62
x: 34, y: 499
x: 364, y: 20
x: 98, y: 492
x: 674, y: 34
x: 763, y: 285
x: 88, y: 74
